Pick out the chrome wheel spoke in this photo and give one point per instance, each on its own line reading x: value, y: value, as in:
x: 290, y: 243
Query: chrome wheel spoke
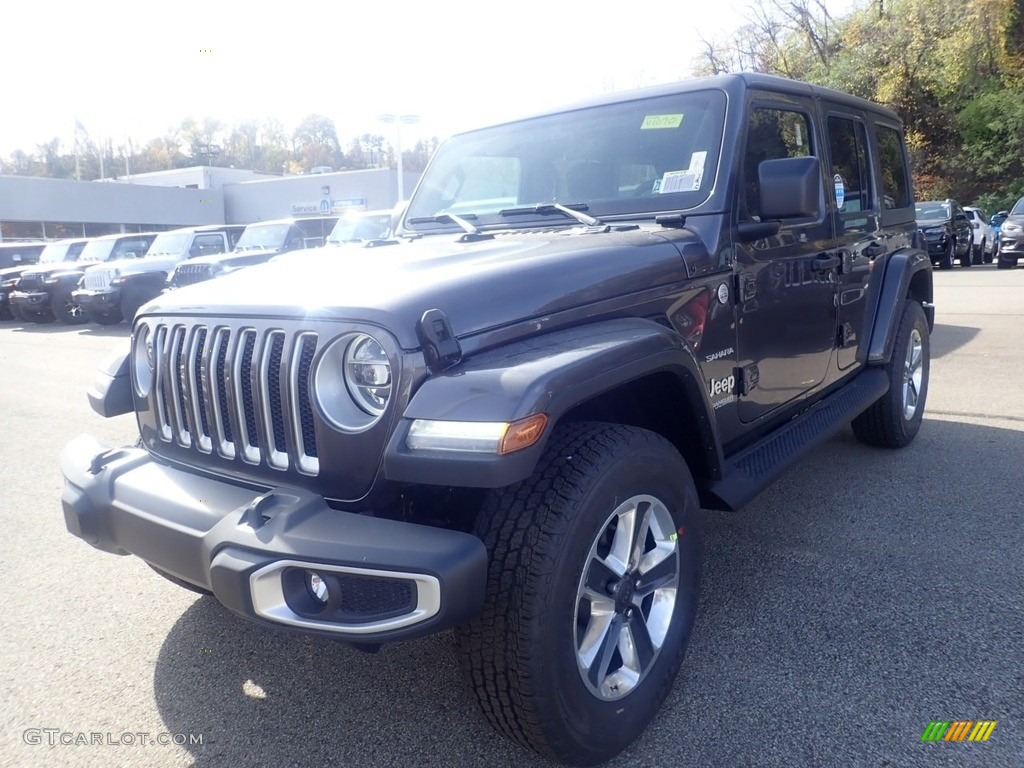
x: 601, y: 573
x: 597, y: 671
x: 639, y: 650
x: 660, y: 574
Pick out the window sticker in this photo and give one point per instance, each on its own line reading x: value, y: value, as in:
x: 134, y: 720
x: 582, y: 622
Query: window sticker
x: 840, y: 191
x: 679, y: 181
x: 655, y: 122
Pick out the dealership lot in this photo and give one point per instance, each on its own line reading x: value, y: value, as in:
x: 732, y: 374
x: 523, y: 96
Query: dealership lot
x: 863, y: 596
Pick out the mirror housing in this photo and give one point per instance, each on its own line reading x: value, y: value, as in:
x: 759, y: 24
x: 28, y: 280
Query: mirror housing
x: 790, y: 188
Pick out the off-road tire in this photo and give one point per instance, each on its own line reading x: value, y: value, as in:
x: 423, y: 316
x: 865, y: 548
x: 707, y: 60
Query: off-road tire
x: 130, y: 303
x: 522, y: 656
x: 886, y: 423
x: 65, y: 309
x: 113, y: 317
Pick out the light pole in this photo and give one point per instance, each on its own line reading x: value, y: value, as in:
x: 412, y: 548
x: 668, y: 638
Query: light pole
x: 398, y: 120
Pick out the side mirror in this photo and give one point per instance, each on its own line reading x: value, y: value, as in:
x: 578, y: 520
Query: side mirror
x: 790, y: 188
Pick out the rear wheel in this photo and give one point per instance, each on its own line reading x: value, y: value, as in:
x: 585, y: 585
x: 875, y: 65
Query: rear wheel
x: 66, y: 309
x: 592, y: 592
x: 894, y: 419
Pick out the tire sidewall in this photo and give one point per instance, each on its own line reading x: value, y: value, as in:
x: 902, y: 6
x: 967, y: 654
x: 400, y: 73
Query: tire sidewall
x: 913, y: 317
x: 609, y: 726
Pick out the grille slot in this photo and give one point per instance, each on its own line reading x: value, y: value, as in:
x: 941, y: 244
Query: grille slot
x: 241, y: 393
x: 186, y: 274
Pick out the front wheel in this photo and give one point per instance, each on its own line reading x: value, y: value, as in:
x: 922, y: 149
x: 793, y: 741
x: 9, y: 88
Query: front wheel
x: 66, y: 309
x: 967, y: 258
x: 592, y: 592
x: 946, y: 260
x: 978, y: 252
x: 1006, y: 262
x: 113, y: 317
x: 895, y: 418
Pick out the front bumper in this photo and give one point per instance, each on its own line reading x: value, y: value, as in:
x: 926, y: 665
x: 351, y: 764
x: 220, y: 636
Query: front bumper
x: 103, y: 301
x: 387, y: 580
x: 31, y: 300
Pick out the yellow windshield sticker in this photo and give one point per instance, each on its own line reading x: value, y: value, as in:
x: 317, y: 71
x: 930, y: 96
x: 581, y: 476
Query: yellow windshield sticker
x: 652, y: 122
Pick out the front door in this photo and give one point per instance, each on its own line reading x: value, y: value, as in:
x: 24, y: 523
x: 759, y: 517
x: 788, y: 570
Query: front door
x: 786, y: 283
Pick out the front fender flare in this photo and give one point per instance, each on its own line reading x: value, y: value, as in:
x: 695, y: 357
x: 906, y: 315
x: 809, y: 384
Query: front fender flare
x: 549, y: 374
x: 111, y: 391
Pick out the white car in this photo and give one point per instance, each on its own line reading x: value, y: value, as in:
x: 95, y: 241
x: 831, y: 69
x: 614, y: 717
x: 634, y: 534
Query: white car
x: 984, y: 236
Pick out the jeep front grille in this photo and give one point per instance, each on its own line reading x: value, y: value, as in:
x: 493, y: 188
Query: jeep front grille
x: 186, y: 274
x: 98, y: 279
x: 238, y: 392
x: 29, y: 282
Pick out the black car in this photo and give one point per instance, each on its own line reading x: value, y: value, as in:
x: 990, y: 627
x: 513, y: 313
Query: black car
x: 589, y: 325
x: 947, y: 232
x: 43, y: 293
x: 258, y: 243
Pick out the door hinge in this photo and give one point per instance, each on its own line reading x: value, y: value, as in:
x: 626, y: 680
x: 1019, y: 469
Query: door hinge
x: 748, y: 377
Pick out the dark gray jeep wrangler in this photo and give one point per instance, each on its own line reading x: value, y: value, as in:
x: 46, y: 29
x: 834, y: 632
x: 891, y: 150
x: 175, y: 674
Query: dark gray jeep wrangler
x: 506, y: 419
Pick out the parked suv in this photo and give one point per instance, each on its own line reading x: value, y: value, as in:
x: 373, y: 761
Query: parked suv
x: 1011, y: 237
x: 258, y: 244
x: 15, y: 258
x: 43, y: 293
x: 113, y: 291
x: 947, y: 232
x: 984, y: 239
x: 592, y: 324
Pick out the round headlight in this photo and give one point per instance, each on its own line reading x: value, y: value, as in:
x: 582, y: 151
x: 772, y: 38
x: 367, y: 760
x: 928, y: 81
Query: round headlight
x: 144, y: 360
x: 353, y: 382
x: 368, y: 374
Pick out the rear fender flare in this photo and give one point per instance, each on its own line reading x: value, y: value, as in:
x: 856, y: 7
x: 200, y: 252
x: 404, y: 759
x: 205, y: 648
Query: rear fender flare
x: 908, y: 272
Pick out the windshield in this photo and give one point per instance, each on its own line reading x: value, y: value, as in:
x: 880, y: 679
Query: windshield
x: 263, y: 236
x: 636, y: 157
x: 365, y: 226
x: 54, y: 252
x: 1018, y: 209
x: 169, y: 244
x: 930, y: 210
x: 96, y: 250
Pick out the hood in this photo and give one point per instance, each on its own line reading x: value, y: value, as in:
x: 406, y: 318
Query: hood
x: 8, y: 272
x: 478, y: 285
x: 162, y: 263
x: 63, y: 266
x: 925, y: 223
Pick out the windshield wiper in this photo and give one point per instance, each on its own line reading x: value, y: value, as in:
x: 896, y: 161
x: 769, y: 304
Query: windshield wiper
x: 472, y: 231
x: 573, y: 211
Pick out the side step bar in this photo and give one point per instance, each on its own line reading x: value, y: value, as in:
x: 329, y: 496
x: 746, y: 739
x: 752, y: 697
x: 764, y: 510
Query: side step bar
x: 753, y: 469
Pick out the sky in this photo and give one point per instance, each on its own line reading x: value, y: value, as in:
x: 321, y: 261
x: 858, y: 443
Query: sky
x: 133, y: 70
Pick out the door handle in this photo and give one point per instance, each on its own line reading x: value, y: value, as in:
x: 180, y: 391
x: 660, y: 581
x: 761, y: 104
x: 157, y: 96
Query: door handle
x: 874, y: 250
x: 825, y: 261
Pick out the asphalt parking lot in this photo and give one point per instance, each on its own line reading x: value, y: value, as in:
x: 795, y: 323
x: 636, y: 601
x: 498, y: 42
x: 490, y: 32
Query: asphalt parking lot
x: 864, y: 595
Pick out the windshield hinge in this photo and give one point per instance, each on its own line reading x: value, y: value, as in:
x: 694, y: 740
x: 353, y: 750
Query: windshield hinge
x: 441, y: 350
x: 670, y: 220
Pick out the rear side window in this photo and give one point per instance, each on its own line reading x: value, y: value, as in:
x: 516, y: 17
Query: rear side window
x: 848, y: 147
x: 895, y: 184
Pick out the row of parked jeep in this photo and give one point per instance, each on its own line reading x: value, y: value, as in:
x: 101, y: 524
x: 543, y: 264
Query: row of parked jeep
x: 106, y: 279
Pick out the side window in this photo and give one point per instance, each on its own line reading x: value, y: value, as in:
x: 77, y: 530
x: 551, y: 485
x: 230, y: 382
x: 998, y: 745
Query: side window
x: 771, y: 134
x: 851, y: 176
x: 204, y: 244
x: 895, y: 185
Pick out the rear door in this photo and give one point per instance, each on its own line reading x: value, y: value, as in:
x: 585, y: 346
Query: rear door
x: 855, y: 222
